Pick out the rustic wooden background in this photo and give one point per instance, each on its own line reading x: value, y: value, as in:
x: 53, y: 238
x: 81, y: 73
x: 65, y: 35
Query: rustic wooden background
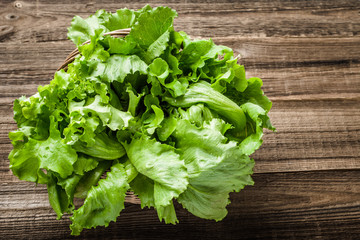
x: 307, y: 175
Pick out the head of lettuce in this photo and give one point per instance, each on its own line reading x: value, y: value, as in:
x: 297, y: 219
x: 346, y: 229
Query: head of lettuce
x: 162, y: 115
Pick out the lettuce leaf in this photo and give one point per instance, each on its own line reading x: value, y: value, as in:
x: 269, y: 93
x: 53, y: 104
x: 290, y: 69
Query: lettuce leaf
x: 104, y: 201
x: 215, y: 165
x: 162, y: 165
x: 29, y: 158
x: 201, y: 92
x: 119, y: 66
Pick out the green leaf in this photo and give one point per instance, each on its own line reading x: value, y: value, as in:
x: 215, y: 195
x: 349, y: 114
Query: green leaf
x: 90, y: 179
x: 208, y: 205
x: 84, y: 164
x: 255, y: 95
x: 157, y: 47
x: 194, y: 50
x: 254, y: 130
x: 167, y: 214
x: 252, y: 93
x: 239, y: 81
x: 173, y: 63
x: 143, y: 187
x: 94, y: 50
x: 199, y: 114
x: 27, y: 159
x: 122, y: 18
x: 197, y: 52
x: 151, y: 26
x: 81, y: 30
x: 168, y: 126
x: 153, y: 116
x: 134, y: 100
x: 160, y: 163
x: 119, y: 66
x: 32, y: 115
x: 160, y: 69
x: 130, y: 170
x: 103, y: 203
x: 158, y: 118
x: 215, y: 165
x: 68, y: 185
x: 110, y: 116
x: 81, y: 128
x: 201, y: 92
x: 123, y: 46
x: 227, y: 77
x: 57, y: 197
x: 104, y: 146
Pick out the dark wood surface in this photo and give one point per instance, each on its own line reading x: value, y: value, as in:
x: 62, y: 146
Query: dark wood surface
x: 307, y: 175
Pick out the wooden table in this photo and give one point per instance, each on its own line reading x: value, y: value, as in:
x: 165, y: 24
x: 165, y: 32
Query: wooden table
x: 307, y: 178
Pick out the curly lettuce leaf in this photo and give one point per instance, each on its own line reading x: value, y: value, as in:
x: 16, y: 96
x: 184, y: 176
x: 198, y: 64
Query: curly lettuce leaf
x: 121, y: 19
x: 161, y: 164
x: 123, y: 46
x: 103, y: 203
x: 119, y: 66
x: 144, y: 188
x: 109, y: 115
x: 28, y: 159
x: 160, y: 70
x: 196, y: 54
x: 253, y: 93
x: 167, y: 213
x: 58, y: 198
x: 90, y: 179
x: 61, y: 191
x: 81, y: 29
x: 254, y: 128
x: 151, y: 26
x: 215, y: 165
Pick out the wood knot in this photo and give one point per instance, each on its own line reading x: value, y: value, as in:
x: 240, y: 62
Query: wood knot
x: 18, y: 5
x: 11, y: 16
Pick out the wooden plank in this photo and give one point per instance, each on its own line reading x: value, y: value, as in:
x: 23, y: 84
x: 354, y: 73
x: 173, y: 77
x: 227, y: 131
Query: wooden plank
x: 289, y: 67
x: 34, y: 21
x: 280, y: 206
x: 293, y: 52
x: 311, y: 135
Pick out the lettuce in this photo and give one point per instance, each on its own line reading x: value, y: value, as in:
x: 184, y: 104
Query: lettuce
x: 155, y: 112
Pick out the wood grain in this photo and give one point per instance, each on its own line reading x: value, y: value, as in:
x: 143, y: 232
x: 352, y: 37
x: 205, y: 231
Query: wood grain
x: 280, y: 206
x: 34, y: 20
x: 307, y: 183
